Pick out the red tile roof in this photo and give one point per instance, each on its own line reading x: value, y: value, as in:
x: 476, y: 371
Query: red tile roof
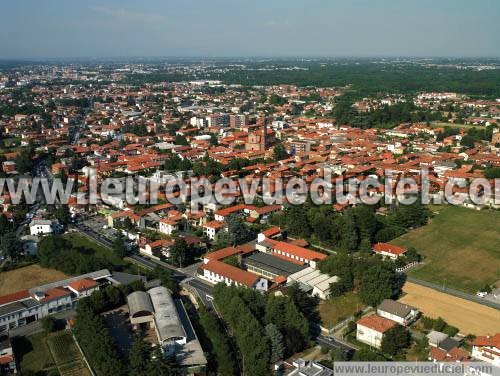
x: 225, y: 253
x: 233, y: 273
x: 295, y: 250
x: 270, y: 232
x: 454, y: 355
x: 83, y: 284
x: 388, y: 248
x: 14, y: 297
x: 55, y: 293
x: 377, y: 323
x: 488, y: 341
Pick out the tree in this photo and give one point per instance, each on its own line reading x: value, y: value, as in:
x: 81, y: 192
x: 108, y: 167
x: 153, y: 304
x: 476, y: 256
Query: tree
x: 63, y: 215
x: 214, y: 140
x: 24, y: 160
x: 167, y: 279
x: 279, y: 152
x: 378, y: 282
x: 237, y: 231
x: 276, y: 340
x: 181, y: 253
x: 219, y: 343
x: 49, y: 324
x: 119, y: 247
x: 395, y: 340
x: 10, y: 245
x: 297, y: 222
x: 367, y: 355
x: 439, y: 324
x: 181, y: 140
x: 139, y: 356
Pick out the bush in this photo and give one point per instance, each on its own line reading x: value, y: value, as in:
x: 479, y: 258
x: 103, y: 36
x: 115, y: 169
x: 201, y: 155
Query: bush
x: 450, y: 330
x: 439, y: 324
x: 49, y: 324
x: 427, y: 322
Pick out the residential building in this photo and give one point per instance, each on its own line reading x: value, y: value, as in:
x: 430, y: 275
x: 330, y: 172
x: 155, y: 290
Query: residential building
x: 41, y: 227
x: 487, y: 349
x: 371, y: 329
x: 401, y: 313
x: 388, y: 250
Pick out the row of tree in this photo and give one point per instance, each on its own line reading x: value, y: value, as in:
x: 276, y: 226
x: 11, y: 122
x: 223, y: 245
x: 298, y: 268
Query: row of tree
x: 373, y: 278
x: 266, y: 328
x: 355, y: 229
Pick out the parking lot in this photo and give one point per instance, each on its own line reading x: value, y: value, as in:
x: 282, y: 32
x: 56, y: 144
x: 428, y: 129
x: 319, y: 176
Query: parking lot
x: 99, y: 225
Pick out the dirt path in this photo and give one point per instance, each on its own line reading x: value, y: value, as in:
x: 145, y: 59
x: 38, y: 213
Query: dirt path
x: 469, y: 317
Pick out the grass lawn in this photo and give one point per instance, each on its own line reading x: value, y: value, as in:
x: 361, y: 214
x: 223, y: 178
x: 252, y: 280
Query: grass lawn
x: 79, y: 240
x: 27, y: 277
x: 32, y: 353
x: 438, y: 124
x: 461, y: 248
x: 43, y: 352
x: 336, y: 309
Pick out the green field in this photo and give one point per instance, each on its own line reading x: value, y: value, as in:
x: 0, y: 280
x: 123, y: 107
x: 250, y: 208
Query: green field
x: 33, y: 354
x: 438, y: 124
x: 336, y: 309
x: 79, y: 240
x: 461, y: 248
x: 56, y: 352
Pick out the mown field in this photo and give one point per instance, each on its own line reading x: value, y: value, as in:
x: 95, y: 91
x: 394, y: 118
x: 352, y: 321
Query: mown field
x: 461, y: 248
x: 79, y: 240
x: 27, y: 277
x: 467, y: 316
x: 49, y: 353
x: 336, y: 309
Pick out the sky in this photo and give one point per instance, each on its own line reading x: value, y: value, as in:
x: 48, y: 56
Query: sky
x: 36, y: 29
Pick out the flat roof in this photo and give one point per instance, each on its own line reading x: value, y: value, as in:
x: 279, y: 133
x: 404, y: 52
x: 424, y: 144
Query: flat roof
x: 273, y: 264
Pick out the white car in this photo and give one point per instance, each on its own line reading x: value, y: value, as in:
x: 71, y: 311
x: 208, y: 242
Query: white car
x: 481, y: 294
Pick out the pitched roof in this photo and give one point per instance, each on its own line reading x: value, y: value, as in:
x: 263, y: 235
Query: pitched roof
x: 377, y: 323
x: 454, y: 355
x: 388, y: 248
x: 233, y: 273
x: 223, y: 253
x: 394, y: 307
x: 488, y: 341
x: 295, y: 250
x: 83, y: 284
x: 14, y: 297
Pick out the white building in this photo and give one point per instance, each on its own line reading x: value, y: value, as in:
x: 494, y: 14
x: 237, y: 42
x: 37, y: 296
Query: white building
x: 371, y: 329
x: 41, y: 227
x: 487, y: 349
x: 317, y: 282
x: 167, y: 226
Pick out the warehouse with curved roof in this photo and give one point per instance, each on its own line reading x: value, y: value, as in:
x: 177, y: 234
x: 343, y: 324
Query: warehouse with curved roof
x: 139, y: 304
x: 168, y: 325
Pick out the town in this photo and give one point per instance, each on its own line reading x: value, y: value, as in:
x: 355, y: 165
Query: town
x: 96, y: 285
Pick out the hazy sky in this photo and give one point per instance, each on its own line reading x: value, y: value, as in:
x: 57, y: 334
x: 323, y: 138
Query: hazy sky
x: 91, y: 28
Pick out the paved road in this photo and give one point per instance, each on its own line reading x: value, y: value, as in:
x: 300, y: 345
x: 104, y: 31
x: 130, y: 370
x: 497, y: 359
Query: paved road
x: 457, y: 293
x: 202, y: 289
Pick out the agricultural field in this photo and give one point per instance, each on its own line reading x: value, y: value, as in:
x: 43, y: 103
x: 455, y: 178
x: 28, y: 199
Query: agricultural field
x: 27, y: 277
x: 336, y: 309
x: 45, y: 353
x: 66, y: 355
x: 467, y: 316
x: 461, y: 248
